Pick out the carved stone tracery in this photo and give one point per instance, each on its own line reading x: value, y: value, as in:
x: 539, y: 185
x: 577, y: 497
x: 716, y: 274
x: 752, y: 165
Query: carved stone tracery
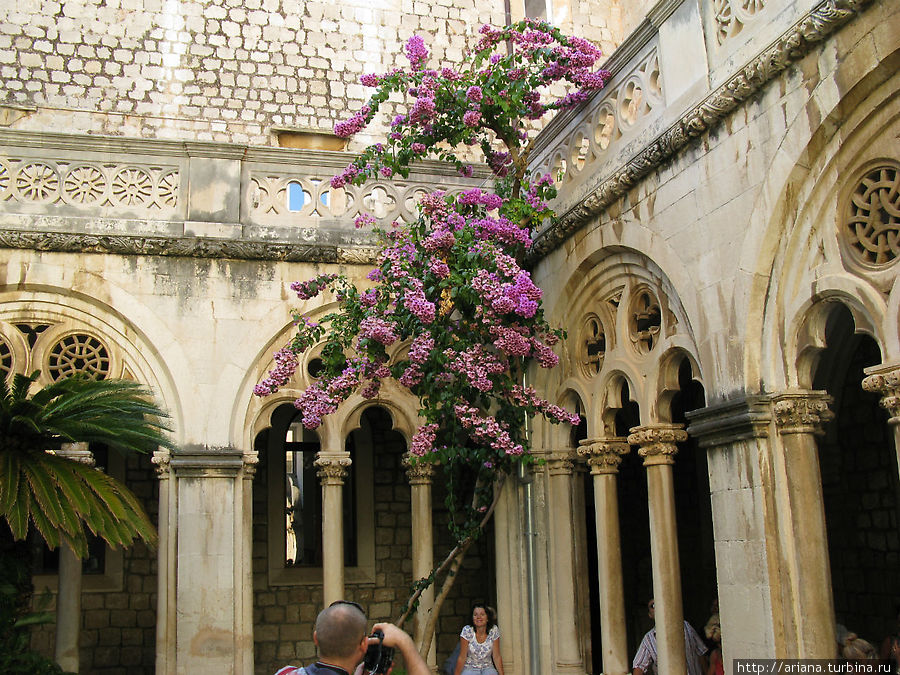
x: 872, y: 224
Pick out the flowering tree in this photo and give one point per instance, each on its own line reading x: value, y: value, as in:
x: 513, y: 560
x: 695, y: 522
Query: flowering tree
x: 451, y: 284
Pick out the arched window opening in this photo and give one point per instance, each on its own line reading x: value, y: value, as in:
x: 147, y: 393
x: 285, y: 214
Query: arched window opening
x: 860, y: 486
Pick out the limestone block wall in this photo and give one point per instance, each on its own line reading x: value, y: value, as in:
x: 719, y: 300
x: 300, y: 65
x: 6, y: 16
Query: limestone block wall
x: 226, y: 70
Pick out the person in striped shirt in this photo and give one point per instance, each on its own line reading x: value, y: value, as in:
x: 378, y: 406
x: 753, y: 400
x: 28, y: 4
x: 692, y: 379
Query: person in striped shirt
x: 694, y: 650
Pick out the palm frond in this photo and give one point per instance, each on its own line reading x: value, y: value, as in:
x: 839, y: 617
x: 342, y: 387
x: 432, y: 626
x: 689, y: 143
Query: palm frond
x: 62, y: 498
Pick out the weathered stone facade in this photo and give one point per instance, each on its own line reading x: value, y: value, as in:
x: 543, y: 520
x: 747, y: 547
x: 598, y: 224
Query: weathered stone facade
x: 725, y: 266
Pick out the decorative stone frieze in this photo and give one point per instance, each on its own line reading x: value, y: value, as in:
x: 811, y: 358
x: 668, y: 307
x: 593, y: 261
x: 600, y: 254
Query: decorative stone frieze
x: 885, y: 380
x: 604, y: 455
x: 657, y: 444
x: 801, y: 412
x: 791, y: 46
x: 332, y: 470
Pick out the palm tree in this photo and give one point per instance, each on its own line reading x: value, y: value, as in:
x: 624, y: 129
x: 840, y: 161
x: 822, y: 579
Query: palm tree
x: 58, y: 495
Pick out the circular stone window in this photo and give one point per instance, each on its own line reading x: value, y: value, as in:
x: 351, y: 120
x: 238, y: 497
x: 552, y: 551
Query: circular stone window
x: 872, y: 225
x: 78, y: 353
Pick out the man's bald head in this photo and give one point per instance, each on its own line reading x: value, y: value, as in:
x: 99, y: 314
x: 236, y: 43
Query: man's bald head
x: 339, y: 630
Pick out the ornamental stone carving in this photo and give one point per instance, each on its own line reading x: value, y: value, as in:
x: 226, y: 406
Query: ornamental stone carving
x: 418, y: 472
x: 793, y: 45
x: 78, y: 353
x: 733, y: 15
x: 251, y: 461
x: 657, y: 444
x: 592, y: 345
x: 560, y: 464
x: 604, y: 454
x: 801, y: 412
x: 885, y: 380
x: 872, y: 222
x: 162, y: 462
x: 332, y: 470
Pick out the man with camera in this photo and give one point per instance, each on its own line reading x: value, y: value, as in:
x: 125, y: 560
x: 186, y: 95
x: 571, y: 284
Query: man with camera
x: 343, y: 644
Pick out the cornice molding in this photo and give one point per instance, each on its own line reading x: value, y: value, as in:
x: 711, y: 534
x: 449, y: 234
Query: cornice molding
x: 185, y: 247
x: 793, y: 45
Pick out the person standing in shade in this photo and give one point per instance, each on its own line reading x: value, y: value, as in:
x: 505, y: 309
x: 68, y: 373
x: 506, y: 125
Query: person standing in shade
x: 645, y: 661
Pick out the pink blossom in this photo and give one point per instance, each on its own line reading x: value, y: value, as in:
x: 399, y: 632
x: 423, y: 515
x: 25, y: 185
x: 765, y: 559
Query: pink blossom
x: 416, y: 52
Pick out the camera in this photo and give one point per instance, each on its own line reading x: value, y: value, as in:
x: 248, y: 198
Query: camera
x: 378, y: 658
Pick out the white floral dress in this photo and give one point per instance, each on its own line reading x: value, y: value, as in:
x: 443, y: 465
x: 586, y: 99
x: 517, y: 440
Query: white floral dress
x: 479, y: 656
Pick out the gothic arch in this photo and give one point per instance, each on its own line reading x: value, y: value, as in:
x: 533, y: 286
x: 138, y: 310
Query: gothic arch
x: 800, y: 257
x: 93, y: 325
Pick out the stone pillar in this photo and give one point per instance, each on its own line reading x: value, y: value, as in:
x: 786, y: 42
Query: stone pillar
x: 203, y: 615
x: 567, y: 654
x: 657, y: 445
x: 604, y: 456
x: 420, y: 475
x: 332, y: 472
x: 244, y: 577
x: 885, y: 380
x: 799, y: 417
x: 68, y: 597
x: 166, y: 577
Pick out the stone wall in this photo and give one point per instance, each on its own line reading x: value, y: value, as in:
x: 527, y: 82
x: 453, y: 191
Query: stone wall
x: 224, y: 70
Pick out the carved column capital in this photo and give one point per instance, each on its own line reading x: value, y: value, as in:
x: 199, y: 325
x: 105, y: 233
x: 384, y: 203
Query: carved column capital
x: 332, y: 470
x: 418, y: 472
x: 604, y: 454
x: 251, y: 461
x: 801, y: 412
x: 560, y: 464
x: 77, y: 452
x: 885, y: 380
x: 162, y: 461
x: 657, y: 443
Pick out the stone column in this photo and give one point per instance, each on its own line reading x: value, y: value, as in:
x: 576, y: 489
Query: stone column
x: 657, y: 445
x: 565, y: 632
x: 166, y: 577
x: 799, y: 417
x: 420, y: 475
x: 604, y: 456
x: 885, y: 380
x: 68, y: 597
x: 204, y: 547
x: 244, y: 576
x: 332, y: 472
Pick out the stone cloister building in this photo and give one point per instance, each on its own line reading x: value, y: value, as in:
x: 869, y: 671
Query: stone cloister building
x: 725, y: 265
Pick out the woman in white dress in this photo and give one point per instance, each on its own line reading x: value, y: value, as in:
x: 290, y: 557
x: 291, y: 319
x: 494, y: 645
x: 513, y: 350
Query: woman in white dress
x: 479, y: 645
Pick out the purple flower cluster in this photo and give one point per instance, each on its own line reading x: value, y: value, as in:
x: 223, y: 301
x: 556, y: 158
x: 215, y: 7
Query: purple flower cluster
x: 477, y: 364
x: 421, y: 348
x: 378, y: 329
x: 311, y: 288
x: 423, y: 440
x: 353, y: 125
x: 285, y: 367
x: 472, y: 118
x: 416, y: 52
x: 486, y: 430
x: 474, y: 93
x: 415, y: 301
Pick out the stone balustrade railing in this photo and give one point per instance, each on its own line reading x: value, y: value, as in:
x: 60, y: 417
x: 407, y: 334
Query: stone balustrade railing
x: 679, y: 74
x: 83, y: 193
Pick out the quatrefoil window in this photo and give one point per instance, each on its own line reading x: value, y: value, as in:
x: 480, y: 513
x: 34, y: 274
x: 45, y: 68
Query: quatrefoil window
x: 78, y: 353
x: 646, y: 320
x: 872, y: 227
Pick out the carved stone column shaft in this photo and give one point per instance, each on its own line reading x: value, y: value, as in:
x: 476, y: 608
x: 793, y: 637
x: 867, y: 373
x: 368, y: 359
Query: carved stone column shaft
x: 567, y: 652
x: 657, y: 445
x: 332, y: 472
x: 420, y: 477
x: 799, y: 417
x: 604, y: 457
